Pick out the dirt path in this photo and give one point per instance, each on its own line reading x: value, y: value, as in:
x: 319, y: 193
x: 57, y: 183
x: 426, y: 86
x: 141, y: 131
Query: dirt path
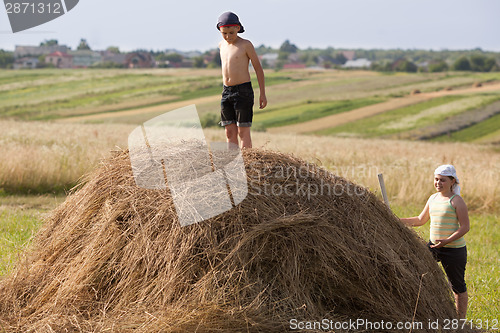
x: 353, y: 115
x: 150, y: 109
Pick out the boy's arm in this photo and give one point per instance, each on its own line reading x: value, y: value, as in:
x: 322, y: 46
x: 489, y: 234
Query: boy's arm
x: 260, y: 74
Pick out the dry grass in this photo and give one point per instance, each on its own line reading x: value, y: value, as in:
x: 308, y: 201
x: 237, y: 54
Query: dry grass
x: 113, y: 257
x: 407, y: 166
x: 146, y: 112
x: 44, y: 157
x: 50, y: 156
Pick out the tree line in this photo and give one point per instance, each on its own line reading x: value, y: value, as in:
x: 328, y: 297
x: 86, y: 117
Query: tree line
x: 392, y: 60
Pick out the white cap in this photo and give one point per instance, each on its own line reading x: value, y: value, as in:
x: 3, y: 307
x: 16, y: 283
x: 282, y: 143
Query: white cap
x: 449, y: 170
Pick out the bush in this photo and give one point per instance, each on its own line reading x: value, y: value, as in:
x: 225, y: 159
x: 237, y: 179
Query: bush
x: 440, y: 66
x: 6, y: 59
x: 406, y: 66
x: 462, y: 64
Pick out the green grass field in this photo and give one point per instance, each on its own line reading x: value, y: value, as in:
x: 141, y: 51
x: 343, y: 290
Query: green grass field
x: 483, y: 261
x: 54, y: 94
x: 18, y: 224
x: 20, y: 218
x: 310, y: 110
x: 379, y: 125
x: 294, y: 97
x: 436, y: 111
x: 474, y: 132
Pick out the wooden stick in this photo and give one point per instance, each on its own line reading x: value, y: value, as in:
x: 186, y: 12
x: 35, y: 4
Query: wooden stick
x: 382, y: 187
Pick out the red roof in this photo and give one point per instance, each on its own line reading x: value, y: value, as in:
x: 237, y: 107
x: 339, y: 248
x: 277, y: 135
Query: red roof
x: 60, y: 54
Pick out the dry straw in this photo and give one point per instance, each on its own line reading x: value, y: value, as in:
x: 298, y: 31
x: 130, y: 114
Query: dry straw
x: 113, y: 258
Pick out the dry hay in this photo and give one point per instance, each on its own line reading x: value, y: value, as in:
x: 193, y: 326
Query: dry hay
x: 113, y: 257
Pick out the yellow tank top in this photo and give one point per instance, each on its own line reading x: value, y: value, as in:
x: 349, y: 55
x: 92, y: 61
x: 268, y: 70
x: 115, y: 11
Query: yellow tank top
x: 444, y: 221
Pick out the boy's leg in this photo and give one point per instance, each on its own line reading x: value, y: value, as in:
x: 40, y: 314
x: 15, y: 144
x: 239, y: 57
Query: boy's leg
x: 232, y: 133
x: 245, y: 137
x: 244, y: 113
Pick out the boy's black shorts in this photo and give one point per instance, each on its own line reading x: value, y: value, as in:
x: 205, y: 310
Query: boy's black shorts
x: 237, y: 105
x: 453, y: 261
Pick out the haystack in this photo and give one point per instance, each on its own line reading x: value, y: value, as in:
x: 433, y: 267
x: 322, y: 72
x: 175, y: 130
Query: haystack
x: 303, y: 245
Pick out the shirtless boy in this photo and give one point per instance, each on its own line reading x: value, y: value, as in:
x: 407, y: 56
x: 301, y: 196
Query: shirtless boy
x: 238, y: 97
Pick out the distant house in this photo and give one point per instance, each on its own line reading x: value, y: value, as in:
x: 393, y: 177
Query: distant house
x: 117, y: 58
x: 60, y: 59
x: 349, y: 55
x: 85, y: 58
x: 26, y: 62
x: 358, y: 63
x: 26, y: 50
x: 139, y: 60
x: 269, y: 59
x: 294, y: 62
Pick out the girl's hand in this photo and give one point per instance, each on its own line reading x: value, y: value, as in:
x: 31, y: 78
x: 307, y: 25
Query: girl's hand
x: 440, y: 243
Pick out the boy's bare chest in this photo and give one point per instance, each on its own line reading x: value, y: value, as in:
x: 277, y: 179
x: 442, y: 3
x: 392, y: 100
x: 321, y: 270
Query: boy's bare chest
x: 231, y: 53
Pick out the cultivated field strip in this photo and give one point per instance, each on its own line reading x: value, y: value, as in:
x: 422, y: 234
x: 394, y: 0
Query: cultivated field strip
x: 456, y: 123
x: 330, y: 122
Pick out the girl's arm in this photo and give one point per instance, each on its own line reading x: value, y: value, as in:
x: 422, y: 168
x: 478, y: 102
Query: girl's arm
x: 417, y: 221
x: 463, y: 221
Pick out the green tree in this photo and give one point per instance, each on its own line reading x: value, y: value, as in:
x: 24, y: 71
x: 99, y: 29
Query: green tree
x: 439, y: 66
x: 83, y: 45
x: 216, y: 62
x: 288, y: 47
x: 462, y: 64
x: 481, y: 63
x: 477, y: 63
x: 279, y: 65
x: 262, y: 49
x: 199, y: 62
x: 174, y: 57
x: 113, y: 49
x: 405, y: 66
x: 495, y: 68
x: 49, y: 42
x: 340, y: 58
x: 283, y: 55
x: 381, y: 66
x: 490, y: 64
x: 6, y: 59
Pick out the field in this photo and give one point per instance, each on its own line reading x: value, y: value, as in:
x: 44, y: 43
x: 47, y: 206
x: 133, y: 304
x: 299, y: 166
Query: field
x: 56, y: 126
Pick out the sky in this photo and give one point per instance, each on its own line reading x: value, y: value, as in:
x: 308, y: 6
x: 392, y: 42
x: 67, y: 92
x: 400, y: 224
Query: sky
x: 190, y: 25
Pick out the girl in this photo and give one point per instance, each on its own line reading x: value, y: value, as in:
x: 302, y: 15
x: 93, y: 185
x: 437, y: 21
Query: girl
x: 449, y: 223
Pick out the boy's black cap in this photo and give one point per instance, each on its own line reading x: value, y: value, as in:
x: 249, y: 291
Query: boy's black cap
x: 228, y: 19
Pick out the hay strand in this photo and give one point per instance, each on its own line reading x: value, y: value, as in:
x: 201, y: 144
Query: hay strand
x: 304, y: 244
